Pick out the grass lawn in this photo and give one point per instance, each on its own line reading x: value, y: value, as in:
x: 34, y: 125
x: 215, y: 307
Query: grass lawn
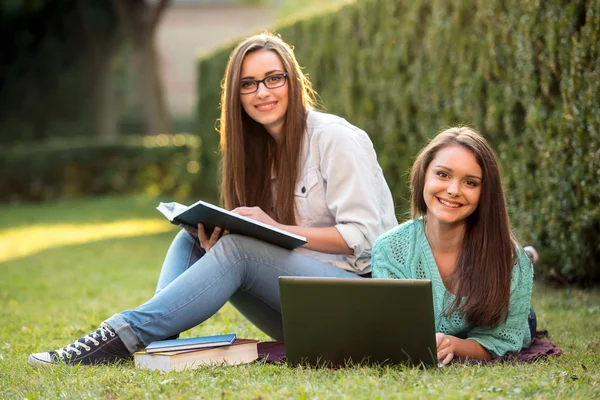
x: 64, y: 267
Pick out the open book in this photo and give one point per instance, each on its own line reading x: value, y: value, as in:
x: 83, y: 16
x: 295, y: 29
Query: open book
x: 211, y: 216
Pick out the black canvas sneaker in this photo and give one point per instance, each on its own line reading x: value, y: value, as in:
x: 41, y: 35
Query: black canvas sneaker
x: 103, y: 346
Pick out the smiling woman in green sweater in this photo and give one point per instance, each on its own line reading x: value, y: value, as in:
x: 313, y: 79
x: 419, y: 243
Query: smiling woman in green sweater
x: 460, y: 239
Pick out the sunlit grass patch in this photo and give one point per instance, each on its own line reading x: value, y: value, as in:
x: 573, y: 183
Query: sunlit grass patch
x: 28, y: 240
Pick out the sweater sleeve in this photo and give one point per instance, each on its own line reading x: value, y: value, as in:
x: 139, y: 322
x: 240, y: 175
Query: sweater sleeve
x: 513, y: 334
x: 389, y: 256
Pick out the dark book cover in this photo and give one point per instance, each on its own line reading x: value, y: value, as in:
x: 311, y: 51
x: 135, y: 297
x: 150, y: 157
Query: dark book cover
x: 211, y: 216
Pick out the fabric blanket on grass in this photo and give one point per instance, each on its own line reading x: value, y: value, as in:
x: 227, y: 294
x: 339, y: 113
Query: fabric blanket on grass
x: 540, y: 348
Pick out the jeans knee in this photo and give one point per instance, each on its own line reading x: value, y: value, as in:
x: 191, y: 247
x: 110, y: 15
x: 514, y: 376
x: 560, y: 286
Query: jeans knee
x: 233, y: 248
x: 185, y: 237
x: 230, y: 245
x: 232, y: 241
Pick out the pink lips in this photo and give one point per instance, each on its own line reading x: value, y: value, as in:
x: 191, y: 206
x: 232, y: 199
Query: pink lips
x: 265, y: 107
x: 442, y: 201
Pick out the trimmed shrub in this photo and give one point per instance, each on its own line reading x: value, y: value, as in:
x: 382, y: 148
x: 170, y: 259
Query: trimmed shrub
x: 524, y: 73
x: 154, y: 165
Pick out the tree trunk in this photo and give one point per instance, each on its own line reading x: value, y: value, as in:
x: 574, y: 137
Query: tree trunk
x: 150, y: 86
x: 98, y: 56
x: 104, y: 102
x: 139, y: 21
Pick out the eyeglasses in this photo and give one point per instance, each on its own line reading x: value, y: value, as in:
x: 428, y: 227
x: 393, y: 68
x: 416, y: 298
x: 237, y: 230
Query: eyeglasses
x: 248, y: 86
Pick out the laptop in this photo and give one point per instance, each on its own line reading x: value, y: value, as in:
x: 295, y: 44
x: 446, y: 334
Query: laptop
x: 339, y: 321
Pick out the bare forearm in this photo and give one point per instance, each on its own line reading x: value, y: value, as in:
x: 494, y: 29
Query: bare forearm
x: 326, y: 240
x: 467, y: 348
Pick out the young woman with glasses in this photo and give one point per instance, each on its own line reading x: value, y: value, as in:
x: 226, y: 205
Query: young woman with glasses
x: 283, y: 164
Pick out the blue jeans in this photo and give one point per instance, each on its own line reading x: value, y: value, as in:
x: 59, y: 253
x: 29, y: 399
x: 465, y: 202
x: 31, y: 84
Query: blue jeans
x: 194, y: 285
x: 532, y: 322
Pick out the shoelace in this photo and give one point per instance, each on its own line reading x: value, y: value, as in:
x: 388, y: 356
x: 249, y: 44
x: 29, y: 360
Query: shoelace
x: 67, y: 351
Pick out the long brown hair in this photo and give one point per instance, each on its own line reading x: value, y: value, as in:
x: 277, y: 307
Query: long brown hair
x: 484, y: 266
x: 249, y: 153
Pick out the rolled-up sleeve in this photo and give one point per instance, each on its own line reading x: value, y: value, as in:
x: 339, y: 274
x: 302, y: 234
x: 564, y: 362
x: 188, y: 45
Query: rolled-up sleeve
x: 348, y: 164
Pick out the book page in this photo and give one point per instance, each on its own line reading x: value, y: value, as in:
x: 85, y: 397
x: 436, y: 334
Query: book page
x: 171, y: 210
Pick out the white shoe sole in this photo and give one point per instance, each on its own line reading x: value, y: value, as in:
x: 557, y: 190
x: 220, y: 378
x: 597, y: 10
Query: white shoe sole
x: 40, y: 360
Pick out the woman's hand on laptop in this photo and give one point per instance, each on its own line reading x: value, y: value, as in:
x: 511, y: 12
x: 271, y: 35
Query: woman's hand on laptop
x: 445, y: 348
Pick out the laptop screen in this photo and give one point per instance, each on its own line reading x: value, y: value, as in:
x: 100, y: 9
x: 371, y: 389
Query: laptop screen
x: 336, y: 321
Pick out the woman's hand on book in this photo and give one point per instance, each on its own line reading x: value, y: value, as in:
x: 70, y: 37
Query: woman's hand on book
x: 257, y: 214
x: 207, y: 242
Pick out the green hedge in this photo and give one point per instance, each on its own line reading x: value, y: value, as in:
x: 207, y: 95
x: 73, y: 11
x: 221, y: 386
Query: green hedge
x: 154, y: 165
x: 525, y: 73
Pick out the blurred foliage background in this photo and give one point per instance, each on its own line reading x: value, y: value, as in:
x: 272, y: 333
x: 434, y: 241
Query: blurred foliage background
x: 43, y: 75
x: 66, y: 66
x: 80, y: 90
x: 164, y: 164
x: 524, y: 73
x: 82, y: 110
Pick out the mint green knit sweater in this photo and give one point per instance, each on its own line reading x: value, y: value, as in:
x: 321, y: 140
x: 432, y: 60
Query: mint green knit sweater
x: 404, y: 253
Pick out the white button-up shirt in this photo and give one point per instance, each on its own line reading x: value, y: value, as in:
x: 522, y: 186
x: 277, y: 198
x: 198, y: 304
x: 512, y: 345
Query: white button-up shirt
x: 342, y: 185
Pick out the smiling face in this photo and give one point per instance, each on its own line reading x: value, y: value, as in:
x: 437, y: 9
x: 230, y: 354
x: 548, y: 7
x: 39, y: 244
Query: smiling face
x: 452, y: 185
x: 266, y: 106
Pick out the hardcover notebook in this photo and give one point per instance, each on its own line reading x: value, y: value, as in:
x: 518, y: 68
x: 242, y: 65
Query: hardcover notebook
x: 333, y: 321
x: 241, y: 351
x: 191, y: 343
x: 212, y: 216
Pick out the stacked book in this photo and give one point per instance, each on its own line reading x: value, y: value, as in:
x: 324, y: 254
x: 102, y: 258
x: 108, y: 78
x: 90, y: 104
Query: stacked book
x: 190, y: 353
